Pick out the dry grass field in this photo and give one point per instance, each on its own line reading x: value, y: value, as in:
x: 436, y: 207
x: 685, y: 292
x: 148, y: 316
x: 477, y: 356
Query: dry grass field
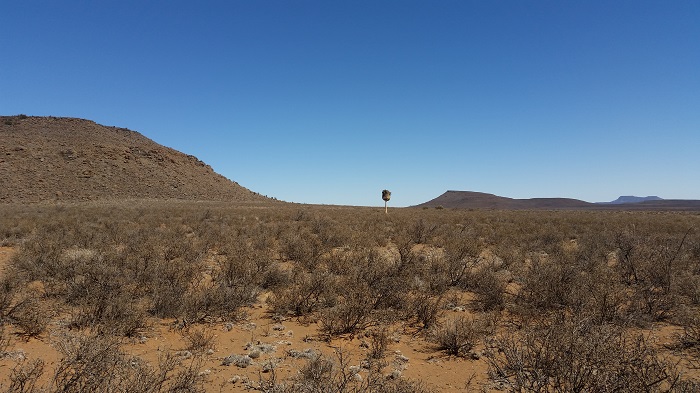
x: 175, y: 296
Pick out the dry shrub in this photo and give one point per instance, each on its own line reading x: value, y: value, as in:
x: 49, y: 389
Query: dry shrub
x: 352, y: 312
x: 546, y: 284
x: 198, y: 339
x: 652, y: 265
x: 104, y: 301
x: 489, y: 289
x: 458, y: 336
x: 379, y: 343
x: 575, y: 355
x: 29, y: 316
x: 689, y: 319
x: 307, y: 293
x: 24, y: 376
x: 426, y: 308
x: 302, y: 246
x: 324, y: 374
x: 96, y: 363
x: 421, y: 231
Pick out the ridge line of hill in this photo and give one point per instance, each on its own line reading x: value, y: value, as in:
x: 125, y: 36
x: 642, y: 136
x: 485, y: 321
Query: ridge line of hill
x: 46, y: 158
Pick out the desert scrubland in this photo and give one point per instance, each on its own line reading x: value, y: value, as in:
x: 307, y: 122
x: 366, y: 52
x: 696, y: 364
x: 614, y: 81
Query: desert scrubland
x: 154, y: 296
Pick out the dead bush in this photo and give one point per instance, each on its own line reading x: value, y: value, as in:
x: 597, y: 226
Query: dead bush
x: 353, y: 312
x: 29, y: 316
x: 307, y: 293
x: 488, y: 288
x: 426, y: 308
x: 324, y: 374
x: 24, y: 376
x: 96, y: 363
x: 689, y: 319
x: 578, y: 356
x: 198, y: 339
x: 457, y: 336
x: 379, y: 343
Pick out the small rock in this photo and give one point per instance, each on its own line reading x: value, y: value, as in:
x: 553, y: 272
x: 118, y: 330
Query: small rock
x: 184, y: 354
x: 250, y: 326
x: 237, y: 360
x: 268, y: 366
x: 308, y: 353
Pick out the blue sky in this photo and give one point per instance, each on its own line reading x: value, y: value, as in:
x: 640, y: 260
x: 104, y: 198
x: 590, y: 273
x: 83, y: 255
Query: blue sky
x: 332, y: 101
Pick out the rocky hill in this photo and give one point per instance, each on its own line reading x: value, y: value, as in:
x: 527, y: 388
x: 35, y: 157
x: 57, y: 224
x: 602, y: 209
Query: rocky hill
x: 68, y: 159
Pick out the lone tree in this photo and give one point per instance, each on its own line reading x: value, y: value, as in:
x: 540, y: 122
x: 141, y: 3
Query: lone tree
x: 386, y: 195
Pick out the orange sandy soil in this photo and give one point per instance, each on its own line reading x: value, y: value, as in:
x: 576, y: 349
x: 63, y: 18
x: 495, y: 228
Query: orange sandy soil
x: 408, y: 351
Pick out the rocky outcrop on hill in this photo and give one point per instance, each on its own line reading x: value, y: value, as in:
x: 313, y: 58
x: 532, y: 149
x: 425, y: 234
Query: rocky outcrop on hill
x: 68, y: 159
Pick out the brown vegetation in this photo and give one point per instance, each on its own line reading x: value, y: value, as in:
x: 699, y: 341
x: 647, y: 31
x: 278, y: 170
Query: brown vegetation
x: 547, y: 301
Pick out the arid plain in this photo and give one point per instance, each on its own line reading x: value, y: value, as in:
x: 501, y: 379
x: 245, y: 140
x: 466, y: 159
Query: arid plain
x: 128, y: 266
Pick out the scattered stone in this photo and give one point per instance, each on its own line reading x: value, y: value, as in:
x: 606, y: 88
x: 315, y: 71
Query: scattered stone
x: 237, y: 360
x: 254, y: 354
x: 18, y: 355
x: 184, y: 354
x: 308, y: 353
x: 235, y: 379
x: 269, y: 366
x: 249, y: 326
x: 278, y: 327
x: 228, y: 327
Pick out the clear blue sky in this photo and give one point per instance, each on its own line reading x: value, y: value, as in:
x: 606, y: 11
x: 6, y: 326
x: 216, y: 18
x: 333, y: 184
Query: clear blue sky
x: 332, y: 101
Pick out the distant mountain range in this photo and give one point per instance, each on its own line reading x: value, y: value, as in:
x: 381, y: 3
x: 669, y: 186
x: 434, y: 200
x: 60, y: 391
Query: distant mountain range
x: 480, y: 200
x: 631, y: 199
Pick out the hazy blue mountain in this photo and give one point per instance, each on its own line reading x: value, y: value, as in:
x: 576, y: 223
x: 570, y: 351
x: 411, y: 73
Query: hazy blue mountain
x: 633, y: 199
